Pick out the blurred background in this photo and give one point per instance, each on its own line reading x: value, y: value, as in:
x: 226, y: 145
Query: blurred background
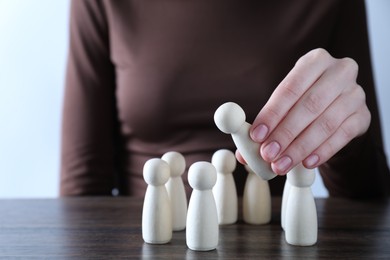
x: 33, y: 49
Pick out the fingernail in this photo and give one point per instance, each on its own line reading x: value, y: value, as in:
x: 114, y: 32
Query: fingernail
x: 271, y: 150
x: 312, y: 160
x: 283, y: 164
x: 259, y: 133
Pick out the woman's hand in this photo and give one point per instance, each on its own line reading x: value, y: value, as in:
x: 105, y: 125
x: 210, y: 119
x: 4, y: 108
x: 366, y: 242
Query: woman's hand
x: 314, y: 112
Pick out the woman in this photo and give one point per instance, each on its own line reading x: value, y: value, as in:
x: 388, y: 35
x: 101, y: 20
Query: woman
x: 145, y: 77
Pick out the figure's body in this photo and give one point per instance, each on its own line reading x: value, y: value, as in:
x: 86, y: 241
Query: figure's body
x: 300, y: 224
x: 225, y: 192
x: 256, y: 201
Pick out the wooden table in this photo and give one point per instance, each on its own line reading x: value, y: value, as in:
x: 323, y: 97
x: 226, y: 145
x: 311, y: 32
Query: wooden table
x: 110, y: 228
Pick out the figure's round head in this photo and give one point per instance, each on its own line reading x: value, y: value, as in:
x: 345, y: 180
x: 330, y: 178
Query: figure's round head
x: 301, y: 177
x: 224, y: 161
x: 229, y: 117
x: 202, y: 176
x: 176, y: 162
x: 156, y: 172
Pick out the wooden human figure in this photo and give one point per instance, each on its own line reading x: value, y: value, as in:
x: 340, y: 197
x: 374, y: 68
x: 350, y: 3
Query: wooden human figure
x: 300, y: 222
x: 230, y: 119
x: 202, y: 219
x: 225, y: 192
x: 176, y: 190
x: 256, y: 200
x: 156, y: 212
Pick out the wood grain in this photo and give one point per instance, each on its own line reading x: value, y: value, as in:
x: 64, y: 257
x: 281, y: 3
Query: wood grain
x: 110, y: 228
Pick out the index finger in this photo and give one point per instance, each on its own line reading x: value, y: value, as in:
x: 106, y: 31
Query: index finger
x: 303, y: 75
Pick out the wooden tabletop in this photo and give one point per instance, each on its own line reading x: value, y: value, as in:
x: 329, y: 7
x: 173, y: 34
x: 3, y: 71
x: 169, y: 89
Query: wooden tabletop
x: 110, y: 228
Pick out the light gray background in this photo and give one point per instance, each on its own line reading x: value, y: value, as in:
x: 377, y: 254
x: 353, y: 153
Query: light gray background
x: 33, y: 46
